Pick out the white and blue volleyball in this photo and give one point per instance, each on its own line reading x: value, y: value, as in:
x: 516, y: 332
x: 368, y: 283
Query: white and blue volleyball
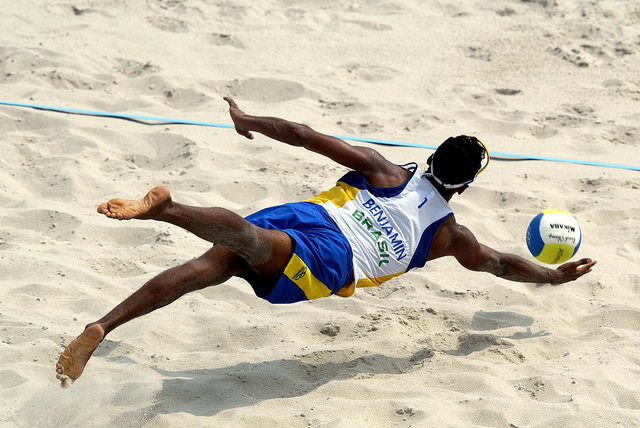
x: 554, y: 236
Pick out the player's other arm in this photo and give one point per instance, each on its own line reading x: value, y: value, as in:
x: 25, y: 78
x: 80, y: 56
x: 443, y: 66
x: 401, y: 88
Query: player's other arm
x: 455, y: 240
x: 378, y: 170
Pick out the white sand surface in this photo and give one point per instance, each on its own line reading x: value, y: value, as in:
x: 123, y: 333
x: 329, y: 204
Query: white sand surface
x: 438, y: 347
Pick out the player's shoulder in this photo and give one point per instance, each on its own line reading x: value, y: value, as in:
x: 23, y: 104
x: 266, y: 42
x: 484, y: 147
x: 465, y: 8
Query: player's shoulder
x: 451, y: 238
x: 383, y: 173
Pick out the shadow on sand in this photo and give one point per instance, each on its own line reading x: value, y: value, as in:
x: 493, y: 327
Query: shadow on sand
x: 484, y: 321
x: 206, y: 392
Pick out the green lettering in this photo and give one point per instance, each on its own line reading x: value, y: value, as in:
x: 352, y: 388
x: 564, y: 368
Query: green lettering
x: 367, y: 223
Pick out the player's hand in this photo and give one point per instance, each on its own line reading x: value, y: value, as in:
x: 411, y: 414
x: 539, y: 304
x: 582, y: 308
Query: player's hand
x: 238, y: 116
x: 573, y: 270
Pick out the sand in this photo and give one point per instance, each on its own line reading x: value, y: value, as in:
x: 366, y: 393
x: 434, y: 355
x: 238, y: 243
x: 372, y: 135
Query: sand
x: 437, y: 347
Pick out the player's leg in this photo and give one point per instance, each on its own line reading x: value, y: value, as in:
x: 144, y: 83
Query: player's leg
x: 214, y: 267
x: 266, y: 251
x: 241, y: 246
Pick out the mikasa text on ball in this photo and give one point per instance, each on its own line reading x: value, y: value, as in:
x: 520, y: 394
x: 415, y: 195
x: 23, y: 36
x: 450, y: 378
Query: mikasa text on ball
x: 553, y: 236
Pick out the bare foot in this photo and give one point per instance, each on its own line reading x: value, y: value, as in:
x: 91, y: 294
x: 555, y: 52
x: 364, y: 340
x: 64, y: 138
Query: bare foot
x: 148, y: 207
x: 72, y: 361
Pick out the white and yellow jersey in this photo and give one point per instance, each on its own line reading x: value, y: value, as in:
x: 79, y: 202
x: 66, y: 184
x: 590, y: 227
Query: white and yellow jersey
x: 390, y: 230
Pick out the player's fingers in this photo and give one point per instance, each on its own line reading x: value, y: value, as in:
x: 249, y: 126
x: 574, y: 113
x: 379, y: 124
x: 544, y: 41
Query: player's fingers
x: 581, y: 264
x: 588, y: 267
x: 231, y: 102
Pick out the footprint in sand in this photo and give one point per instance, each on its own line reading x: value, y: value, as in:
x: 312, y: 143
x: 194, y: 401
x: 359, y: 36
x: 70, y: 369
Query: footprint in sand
x: 507, y: 91
x: 627, y: 319
x: 474, y: 342
x: 170, y: 25
x: 241, y: 192
x: 541, y: 389
x: 496, y: 320
x: 266, y: 90
x: 114, y: 267
x: 370, y: 25
x: 168, y: 152
x: 49, y: 223
x: 620, y: 134
x: 223, y: 39
x: 370, y: 72
x: 577, y: 56
x: 477, y: 52
x: 10, y: 379
x: 133, y: 68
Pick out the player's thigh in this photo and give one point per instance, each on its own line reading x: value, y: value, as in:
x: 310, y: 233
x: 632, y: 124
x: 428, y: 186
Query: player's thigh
x: 280, y: 248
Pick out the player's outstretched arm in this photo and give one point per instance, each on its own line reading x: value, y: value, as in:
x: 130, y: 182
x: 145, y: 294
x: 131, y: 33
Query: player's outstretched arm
x: 515, y: 268
x: 458, y: 241
x: 378, y: 170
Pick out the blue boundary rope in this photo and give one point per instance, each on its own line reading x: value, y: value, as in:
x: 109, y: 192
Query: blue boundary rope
x: 148, y: 120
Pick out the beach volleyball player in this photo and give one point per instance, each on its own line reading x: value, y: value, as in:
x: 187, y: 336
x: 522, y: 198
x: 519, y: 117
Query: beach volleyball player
x: 379, y: 221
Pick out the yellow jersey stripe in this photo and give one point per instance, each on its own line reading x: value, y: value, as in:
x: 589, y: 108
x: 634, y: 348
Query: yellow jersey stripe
x: 339, y: 195
x: 350, y: 289
x: 375, y: 282
x: 298, y: 272
x: 347, y: 290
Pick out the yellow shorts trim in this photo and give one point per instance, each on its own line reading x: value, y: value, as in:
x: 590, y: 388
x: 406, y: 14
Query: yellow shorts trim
x: 300, y: 274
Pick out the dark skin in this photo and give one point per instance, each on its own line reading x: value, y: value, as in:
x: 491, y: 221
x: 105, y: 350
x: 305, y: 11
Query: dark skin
x: 241, y: 246
x: 452, y: 238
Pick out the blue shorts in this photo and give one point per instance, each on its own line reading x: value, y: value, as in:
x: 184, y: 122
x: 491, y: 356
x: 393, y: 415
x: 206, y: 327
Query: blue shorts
x: 322, y: 260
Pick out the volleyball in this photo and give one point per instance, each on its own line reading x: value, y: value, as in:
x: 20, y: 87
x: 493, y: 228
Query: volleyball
x: 553, y: 236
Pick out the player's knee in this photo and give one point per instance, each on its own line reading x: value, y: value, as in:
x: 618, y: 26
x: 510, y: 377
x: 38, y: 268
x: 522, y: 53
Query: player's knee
x: 200, y: 267
x: 216, y: 266
x: 251, y: 245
